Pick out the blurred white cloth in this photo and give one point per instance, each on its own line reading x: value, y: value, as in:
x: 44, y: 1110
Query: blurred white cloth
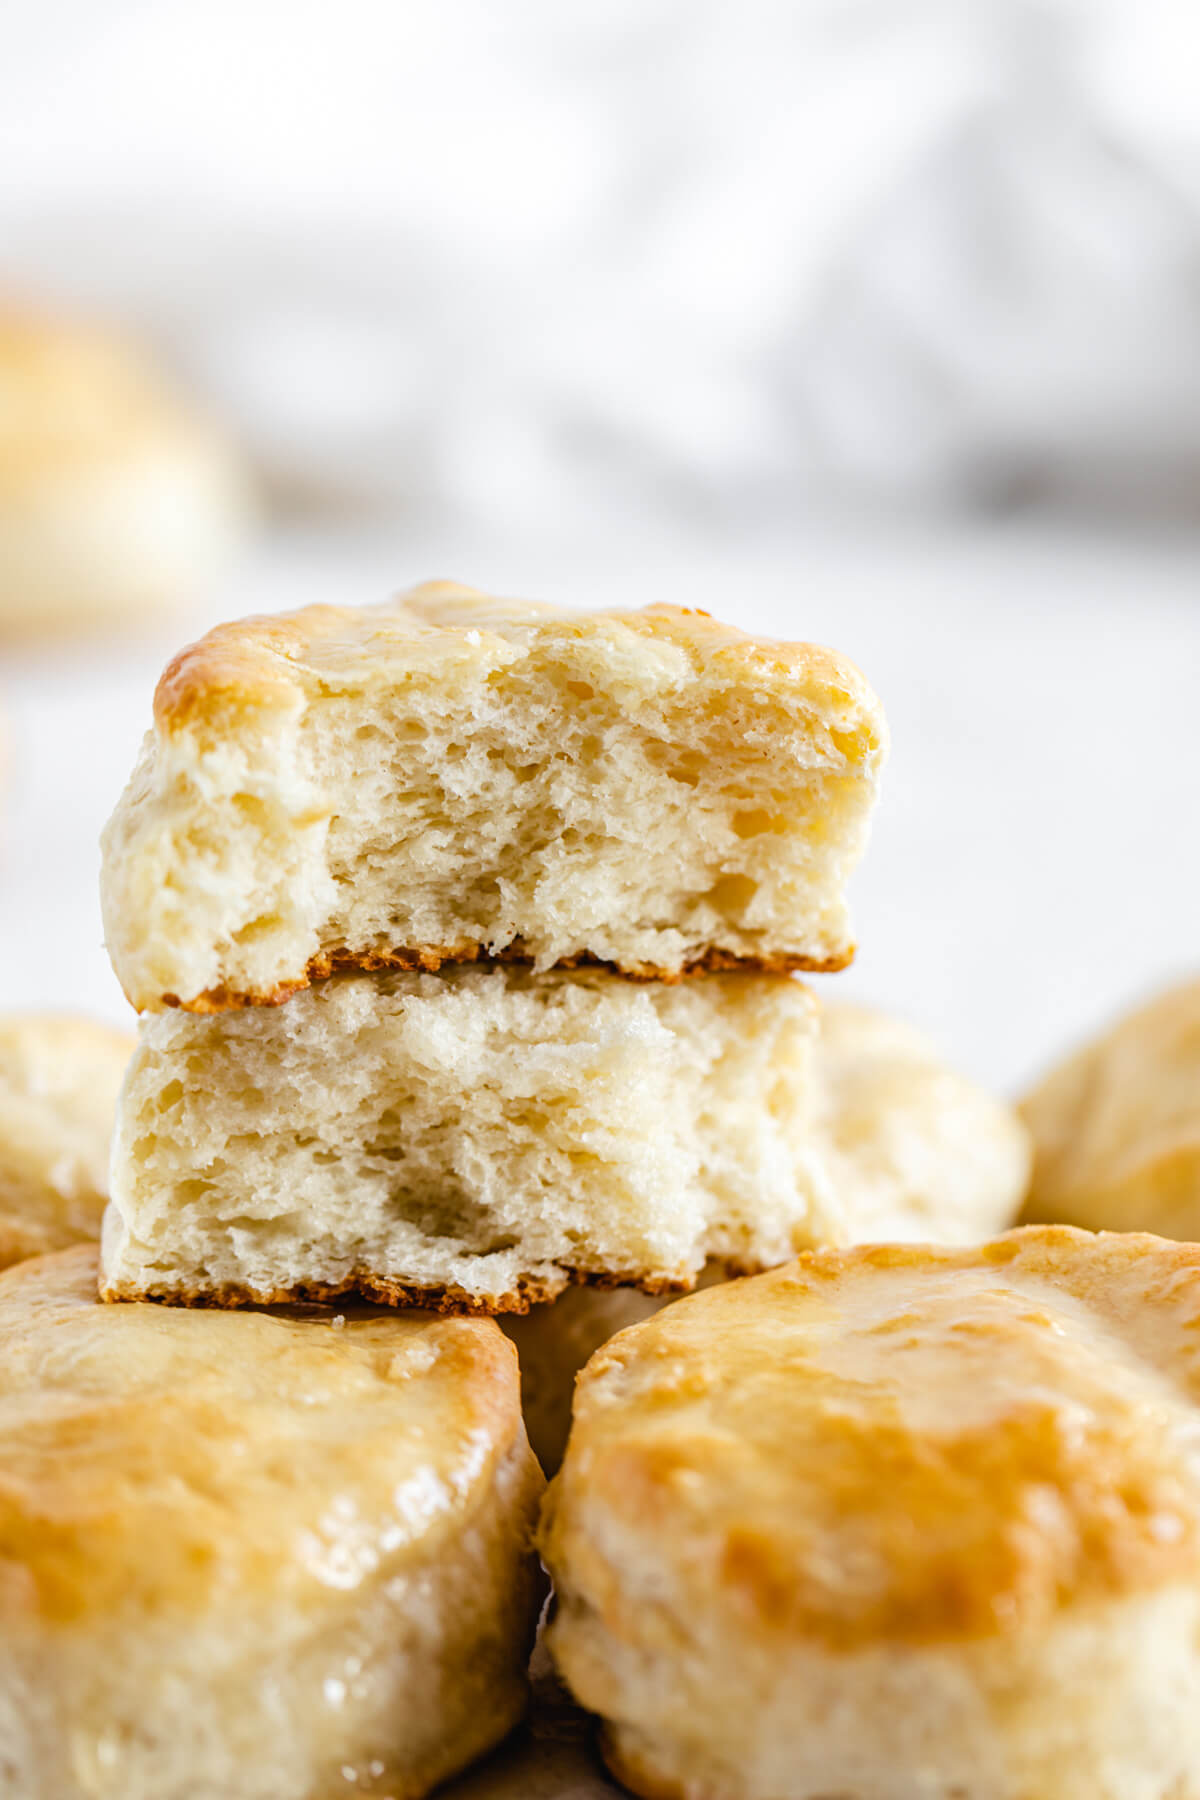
x: 501, y: 264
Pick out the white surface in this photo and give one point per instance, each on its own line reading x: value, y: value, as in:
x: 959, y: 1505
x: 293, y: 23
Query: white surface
x: 1035, y: 862
x: 566, y: 258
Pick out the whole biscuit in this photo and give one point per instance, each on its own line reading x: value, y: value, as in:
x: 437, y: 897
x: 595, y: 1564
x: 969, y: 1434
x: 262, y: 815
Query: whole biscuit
x: 254, y: 1555
x: 895, y: 1523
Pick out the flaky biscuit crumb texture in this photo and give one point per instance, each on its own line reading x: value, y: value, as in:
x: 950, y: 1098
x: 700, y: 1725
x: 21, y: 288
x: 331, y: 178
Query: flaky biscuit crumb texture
x: 895, y: 1522
x: 905, y: 1149
x: 251, y: 1555
x: 482, y: 1136
x: 59, y: 1078
x: 450, y: 775
x: 1117, y: 1126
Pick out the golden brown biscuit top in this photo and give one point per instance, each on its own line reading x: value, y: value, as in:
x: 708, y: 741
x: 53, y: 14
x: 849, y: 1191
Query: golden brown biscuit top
x: 900, y: 1443
x: 1123, y: 1106
x: 164, y: 1460
x: 451, y: 632
x: 72, y: 396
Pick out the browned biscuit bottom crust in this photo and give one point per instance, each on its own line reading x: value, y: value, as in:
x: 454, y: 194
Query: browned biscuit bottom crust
x: 383, y: 1290
x: 430, y: 958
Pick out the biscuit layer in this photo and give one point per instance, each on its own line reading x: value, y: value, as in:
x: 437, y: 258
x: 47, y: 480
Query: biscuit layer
x: 485, y: 1137
x: 451, y: 775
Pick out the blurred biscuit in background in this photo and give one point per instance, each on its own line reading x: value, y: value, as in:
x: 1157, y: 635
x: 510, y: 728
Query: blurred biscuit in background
x: 1116, y: 1127
x: 59, y: 1076
x: 116, y: 500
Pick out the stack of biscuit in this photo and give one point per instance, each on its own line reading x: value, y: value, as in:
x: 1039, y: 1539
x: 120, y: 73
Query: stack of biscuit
x: 462, y: 932
x: 466, y: 938
x: 464, y: 935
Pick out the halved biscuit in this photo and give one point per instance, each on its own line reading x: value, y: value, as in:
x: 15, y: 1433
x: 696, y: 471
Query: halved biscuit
x: 59, y: 1078
x: 1116, y: 1128
x: 906, y: 1148
x: 254, y: 1555
x: 476, y: 1139
x: 450, y: 776
x: 893, y: 1523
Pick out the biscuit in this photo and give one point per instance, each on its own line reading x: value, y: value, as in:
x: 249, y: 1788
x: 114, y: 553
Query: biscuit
x: 895, y: 1523
x: 252, y: 1555
x: 115, y: 501
x: 906, y: 1149
x: 477, y: 1139
x: 913, y: 1149
x: 449, y: 776
x: 1116, y: 1128
x: 59, y: 1077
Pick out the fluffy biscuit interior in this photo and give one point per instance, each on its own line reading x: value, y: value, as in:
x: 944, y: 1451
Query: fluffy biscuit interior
x: 489, y: 1135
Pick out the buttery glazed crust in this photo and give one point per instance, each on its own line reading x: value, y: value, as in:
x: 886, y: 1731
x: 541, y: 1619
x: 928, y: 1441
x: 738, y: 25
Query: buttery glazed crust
x: 250, y: 1549
x: 891, y: 1522
x: 276, y: 660
x: 49, y: 1305
x: 431, y: 959
x: 890, y: 1409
